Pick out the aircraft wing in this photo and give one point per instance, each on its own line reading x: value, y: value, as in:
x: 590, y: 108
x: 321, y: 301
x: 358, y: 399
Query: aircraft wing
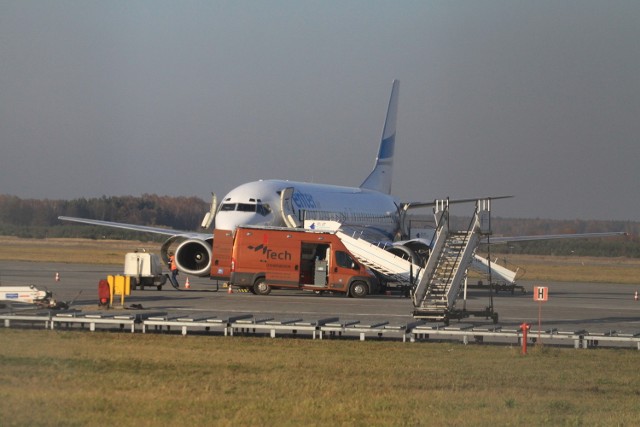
x: 504, y: 239
x: 141, y: 228
x: 415, y: 205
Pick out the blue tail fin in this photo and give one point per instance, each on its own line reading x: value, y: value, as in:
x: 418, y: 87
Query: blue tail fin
x: 380, y: 177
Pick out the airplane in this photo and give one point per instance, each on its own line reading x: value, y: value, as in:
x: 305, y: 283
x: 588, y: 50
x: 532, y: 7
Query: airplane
x: 369, y: 209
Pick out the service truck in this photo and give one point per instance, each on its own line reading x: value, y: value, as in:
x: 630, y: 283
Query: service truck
x: 144, y: 269
x: 261, y: 259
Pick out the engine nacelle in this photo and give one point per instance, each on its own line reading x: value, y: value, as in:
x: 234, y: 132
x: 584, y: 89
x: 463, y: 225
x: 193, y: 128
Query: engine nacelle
x: 192, y: 256
x: 416, y: 252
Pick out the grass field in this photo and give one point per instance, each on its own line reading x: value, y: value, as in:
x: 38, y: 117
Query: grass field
x: 69, y: 250
x: 82, y: 378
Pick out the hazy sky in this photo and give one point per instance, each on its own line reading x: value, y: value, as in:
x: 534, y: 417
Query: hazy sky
x: 539, y: 99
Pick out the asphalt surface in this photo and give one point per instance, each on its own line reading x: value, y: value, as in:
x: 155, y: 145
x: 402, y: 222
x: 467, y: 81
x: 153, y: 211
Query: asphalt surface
x: 571, y: 306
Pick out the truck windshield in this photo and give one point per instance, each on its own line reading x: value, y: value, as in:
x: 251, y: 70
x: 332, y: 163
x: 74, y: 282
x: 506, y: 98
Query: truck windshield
x: 344, y: 260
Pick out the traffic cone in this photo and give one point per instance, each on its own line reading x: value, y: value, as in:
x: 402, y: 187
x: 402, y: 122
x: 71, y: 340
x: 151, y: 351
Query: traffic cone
x: 58, y: 278
x: 635, y: 297
x: 229, y: 290
x: 186, y: 284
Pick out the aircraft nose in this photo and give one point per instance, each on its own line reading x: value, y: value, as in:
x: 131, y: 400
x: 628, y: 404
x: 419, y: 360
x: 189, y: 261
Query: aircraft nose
x: 224, y: 221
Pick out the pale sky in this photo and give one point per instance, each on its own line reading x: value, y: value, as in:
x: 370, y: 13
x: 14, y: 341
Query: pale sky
x: 536, y: 99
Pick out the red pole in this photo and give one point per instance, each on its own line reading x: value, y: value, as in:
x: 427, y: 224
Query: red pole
x: 524, y: 328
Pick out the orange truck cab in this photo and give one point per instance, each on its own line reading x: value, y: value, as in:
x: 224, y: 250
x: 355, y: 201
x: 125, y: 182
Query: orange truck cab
x: 261, y: 259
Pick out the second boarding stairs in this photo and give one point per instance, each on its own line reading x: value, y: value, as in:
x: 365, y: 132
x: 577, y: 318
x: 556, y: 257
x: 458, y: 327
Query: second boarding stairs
x: 436, y: 286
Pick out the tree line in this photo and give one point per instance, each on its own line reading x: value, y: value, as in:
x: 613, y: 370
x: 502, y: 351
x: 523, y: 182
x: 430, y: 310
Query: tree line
x: 623, y: 246
x: 32, y: 218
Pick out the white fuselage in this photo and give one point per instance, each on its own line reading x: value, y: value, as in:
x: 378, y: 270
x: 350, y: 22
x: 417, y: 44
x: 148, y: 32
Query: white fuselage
x: 259, y: 203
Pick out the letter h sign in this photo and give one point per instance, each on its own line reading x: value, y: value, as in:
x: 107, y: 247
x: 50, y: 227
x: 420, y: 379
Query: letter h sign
x: 540, y: 293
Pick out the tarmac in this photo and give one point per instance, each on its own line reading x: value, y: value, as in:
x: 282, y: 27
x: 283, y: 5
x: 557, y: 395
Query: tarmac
x: 598, y: 308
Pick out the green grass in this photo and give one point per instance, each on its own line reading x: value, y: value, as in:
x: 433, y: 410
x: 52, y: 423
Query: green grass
x: 81, y: 378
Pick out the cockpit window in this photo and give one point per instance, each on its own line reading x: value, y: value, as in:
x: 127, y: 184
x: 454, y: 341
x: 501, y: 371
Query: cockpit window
x: 263, y: 210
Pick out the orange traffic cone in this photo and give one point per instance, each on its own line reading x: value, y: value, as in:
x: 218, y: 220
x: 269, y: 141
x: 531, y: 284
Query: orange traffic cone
x: 229, y: 290
x: 58, y: 277
x: 186, y: 284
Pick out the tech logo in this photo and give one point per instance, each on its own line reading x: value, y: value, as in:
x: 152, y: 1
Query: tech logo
x: 271, y: 254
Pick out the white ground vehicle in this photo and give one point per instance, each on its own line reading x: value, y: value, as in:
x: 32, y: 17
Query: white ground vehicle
x: 144, y: 269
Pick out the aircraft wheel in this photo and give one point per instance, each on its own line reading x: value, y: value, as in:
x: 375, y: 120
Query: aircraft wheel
x: 359, y: 289
x: 260, y: 287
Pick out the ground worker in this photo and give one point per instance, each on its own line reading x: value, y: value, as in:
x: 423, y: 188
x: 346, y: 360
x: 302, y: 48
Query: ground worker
x: 174, y: 269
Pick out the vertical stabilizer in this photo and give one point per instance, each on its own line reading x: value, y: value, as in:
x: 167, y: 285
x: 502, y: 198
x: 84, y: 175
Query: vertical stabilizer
x: 380, y: 178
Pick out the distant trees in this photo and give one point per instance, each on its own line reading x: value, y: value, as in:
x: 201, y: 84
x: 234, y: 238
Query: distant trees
x: 628, y: 246
x: 39, y: 218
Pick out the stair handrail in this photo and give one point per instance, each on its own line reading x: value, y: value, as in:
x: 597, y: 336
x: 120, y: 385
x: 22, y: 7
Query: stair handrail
x: 465, y: 241
x: 440, y: 212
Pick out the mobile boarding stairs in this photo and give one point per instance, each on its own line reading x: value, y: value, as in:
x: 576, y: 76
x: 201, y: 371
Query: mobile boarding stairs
x: 436, y: 286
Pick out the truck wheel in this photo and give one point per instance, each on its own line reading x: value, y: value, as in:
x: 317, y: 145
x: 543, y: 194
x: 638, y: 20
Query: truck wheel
x: 133, y: 284
x: 359, y: 289
x: 260, y: 287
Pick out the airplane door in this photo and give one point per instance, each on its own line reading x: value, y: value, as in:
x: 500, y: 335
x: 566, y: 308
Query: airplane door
x: 209, y: 216
x: 288, y: 212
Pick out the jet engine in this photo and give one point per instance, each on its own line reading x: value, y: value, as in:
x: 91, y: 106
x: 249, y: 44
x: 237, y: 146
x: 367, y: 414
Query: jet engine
x: 415, y: 251
x: 193, y: 256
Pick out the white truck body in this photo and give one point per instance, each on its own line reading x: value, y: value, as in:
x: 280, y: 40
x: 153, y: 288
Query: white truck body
x: 144, y: 269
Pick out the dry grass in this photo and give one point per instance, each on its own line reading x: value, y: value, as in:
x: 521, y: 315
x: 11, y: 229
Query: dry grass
x: 69, y: 250
x: 82, y: 378
x: 575, y: 269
